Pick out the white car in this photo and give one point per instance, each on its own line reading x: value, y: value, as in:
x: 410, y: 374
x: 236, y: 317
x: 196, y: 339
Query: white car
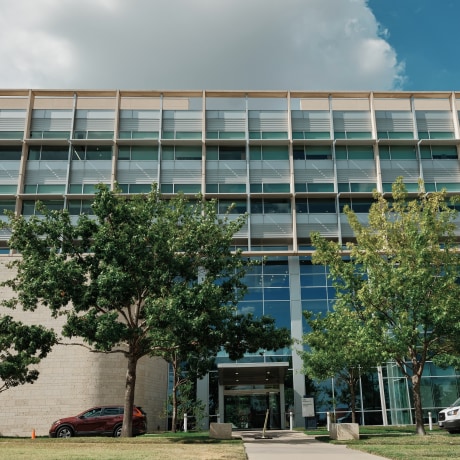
x: 449, y: 419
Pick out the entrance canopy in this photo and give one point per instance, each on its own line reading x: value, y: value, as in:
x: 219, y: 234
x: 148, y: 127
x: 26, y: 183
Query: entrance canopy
x: 231, y: 374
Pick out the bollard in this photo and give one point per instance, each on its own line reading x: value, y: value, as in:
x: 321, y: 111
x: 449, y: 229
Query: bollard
x: 328, y: 421
x: 33, y: 434
x: 185, y: 423
x: 430, y: 421
x: 291, y: 421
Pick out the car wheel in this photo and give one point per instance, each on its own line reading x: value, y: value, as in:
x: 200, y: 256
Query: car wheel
x: 64, y: 432
x: 117, y: 431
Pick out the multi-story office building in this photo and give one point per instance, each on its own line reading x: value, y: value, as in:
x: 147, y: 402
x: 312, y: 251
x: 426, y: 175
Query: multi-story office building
x: 292, y: 160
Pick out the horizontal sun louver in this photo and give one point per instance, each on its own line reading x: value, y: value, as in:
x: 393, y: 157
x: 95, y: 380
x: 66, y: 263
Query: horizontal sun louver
x: 226, y: 172
x: 134, y: 172
x: 227, y: 121
x: 317, y: 121
x: 182, y: 121
x: 270, y: 121
x: 9, y: 171
x: 355, y: 121
x: 12, y: 120
x: 441, y: 170
x: 271, y: 226
x: 139, y: 125
x: 400, y: 121
x: 91, y: 172
x: 440, y: 121
x: 350, y: 170
x: 392, y: 169
x: 181, y: 172
x: 44, y: 172
x: 347, y: 232
x: 326, y: 224
x: 269, y: 171
x: 314, y: 171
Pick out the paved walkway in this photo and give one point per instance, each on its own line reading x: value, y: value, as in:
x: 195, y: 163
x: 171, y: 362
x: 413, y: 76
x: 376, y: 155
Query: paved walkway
x: 294, y: 445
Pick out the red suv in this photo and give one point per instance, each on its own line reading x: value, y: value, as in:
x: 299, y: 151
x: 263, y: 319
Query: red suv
x: 100, y: 420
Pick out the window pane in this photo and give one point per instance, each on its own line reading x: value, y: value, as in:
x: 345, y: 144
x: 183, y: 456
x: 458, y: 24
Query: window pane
x: 320, y: 152
x: 278, y: 207
x: 232, y: 188
x: 275, y: 153
x: 232, y: 153
x: 321, y: 206
x: 276, y: 188
x: 99, y: 153
x: 10, y: 153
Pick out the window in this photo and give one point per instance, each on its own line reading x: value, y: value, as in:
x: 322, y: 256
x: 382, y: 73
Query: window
x: 357, y: 205
x: 438, y: 152
x: 48, y: 153
x: 228, y: 153
x: 81, y: 152
x: 225, y: 188
x: 397, y: 152
x: 267, y: 206
x: 181, y: 152
x: 7, y: 205
x: 316, y: 187
x: 10, y: 153
x: 318, y: 152
x: 184, y: 188
x: 270, y: 188
x: 138, y: 152
x: 77, y: 207
x: 239, y: 206
x: 135, y: 188
x: 259, y: 152
x: 29, y: 206
x: 362, y: 187
x: 354, y: 152
x: 315, y: 205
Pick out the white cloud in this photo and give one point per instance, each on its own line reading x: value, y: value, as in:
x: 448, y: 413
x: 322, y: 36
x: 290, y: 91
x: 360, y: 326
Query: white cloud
x: 194, y: 44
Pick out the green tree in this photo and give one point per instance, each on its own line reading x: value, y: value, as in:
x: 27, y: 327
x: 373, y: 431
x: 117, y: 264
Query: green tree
x: 143, y: 276
x: 401, y: 280
x: 340, y: 347
x: 21, y: 346
x: 238, y: 334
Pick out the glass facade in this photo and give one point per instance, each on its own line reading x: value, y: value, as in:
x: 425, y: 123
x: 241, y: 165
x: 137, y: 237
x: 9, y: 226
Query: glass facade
x: 292, y: 161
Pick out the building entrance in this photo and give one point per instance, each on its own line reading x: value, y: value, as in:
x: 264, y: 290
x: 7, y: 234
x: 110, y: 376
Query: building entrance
x: 249, y: 411
x: 248, y: 391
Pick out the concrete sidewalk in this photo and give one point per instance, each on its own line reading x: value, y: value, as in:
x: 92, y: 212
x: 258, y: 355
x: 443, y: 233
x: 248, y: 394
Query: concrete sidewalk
x: 294, y: 445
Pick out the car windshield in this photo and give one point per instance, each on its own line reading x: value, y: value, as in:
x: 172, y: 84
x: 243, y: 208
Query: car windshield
x: 456, y: 403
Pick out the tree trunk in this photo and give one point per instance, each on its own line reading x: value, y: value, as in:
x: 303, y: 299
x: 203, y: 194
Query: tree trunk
x: 174, y: 395
x: 416, y: 384
x: 127, y: 430
x: 353, y: 400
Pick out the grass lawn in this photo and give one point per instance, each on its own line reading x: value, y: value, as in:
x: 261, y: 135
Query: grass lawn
x: 401, y: 443
x: 184, y: 446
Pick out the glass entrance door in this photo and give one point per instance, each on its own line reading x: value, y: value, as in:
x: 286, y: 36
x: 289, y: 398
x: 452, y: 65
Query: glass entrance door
x: 248, y: 411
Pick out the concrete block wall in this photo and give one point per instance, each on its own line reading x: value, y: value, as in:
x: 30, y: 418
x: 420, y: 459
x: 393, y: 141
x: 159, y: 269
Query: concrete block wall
x: 73, y: 379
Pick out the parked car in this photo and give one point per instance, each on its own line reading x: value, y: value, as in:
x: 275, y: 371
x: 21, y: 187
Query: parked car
x: 449, y: 419
x: 98, y: 421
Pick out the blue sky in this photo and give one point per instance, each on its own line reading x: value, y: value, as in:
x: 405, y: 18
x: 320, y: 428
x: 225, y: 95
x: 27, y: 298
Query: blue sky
x: 328, y: 45
x: 424, y: 34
